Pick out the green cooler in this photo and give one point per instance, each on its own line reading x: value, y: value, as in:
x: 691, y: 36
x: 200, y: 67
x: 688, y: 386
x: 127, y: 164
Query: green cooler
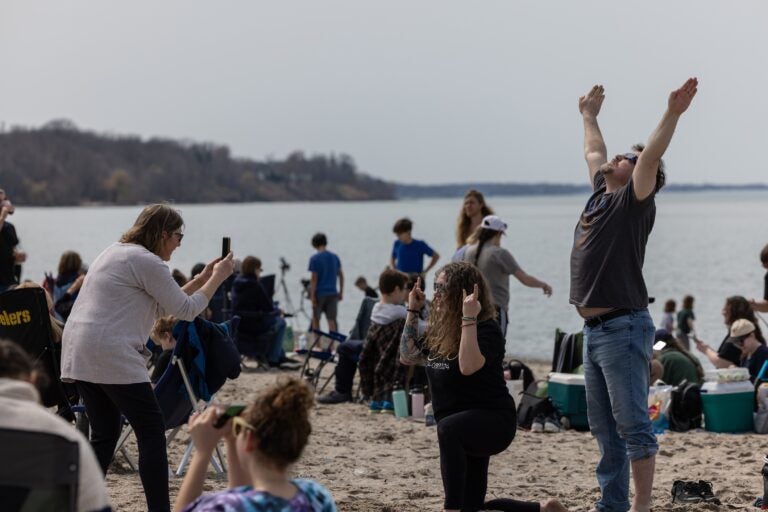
x: 728, y: 406
x: 569, y: 395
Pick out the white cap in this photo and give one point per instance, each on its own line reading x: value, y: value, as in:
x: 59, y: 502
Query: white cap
x: 493, y: 223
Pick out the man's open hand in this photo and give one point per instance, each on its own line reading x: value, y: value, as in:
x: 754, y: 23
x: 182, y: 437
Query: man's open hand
x: 680, y: 99
x: 591, y: 103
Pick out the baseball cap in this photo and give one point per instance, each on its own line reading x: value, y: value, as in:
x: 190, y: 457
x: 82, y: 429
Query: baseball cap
x: 493, y: 223
x: 663, y: 335
x: 740, y: 329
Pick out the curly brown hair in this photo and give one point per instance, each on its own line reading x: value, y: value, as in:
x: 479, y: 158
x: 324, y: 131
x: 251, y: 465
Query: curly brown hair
x: 150, y: 225
x: 444, y: 326
x: 280, y: 420
x: 463, y: 223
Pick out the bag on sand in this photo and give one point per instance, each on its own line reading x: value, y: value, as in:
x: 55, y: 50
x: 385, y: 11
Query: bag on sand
x: 685, y: 410
x: 520, y: 370
x: 532, y: 404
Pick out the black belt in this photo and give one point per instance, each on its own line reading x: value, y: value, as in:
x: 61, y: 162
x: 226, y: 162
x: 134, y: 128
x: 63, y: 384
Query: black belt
x: 594, y: 321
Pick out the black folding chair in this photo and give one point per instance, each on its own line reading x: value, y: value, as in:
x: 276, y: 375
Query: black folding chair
x: 43, y: 475
x: 24, y: 319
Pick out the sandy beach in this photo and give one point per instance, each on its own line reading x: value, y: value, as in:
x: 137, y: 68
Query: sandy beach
x: 385, y: 464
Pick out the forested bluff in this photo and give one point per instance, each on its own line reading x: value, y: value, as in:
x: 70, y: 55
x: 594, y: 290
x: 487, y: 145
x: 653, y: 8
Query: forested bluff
x: 61, y: 165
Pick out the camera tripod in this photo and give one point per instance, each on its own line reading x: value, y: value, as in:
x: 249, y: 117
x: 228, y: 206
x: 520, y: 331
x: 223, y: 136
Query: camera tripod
x: 290, y: 309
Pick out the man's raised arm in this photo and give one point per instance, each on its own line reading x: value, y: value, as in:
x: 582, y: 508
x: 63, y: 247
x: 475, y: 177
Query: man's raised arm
x: 644, y: 175
x: 594, y: 147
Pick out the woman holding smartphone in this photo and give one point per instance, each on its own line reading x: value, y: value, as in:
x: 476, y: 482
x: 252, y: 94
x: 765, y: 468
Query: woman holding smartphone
x: 127, y: 287
x: 463, y: 352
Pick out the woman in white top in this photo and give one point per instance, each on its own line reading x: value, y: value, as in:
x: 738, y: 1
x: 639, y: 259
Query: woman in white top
x: 127, y: 287
x: 497, y: 264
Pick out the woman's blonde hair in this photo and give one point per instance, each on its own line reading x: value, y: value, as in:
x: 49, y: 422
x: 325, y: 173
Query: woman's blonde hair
x: 55, y: 327
x: 150, y: 225
x: 280, y: 420
x: 464, y: 223
x: 444, y: 324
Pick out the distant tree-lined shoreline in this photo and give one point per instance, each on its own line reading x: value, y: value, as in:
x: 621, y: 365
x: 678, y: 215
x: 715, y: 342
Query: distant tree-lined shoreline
x: 60, y: 165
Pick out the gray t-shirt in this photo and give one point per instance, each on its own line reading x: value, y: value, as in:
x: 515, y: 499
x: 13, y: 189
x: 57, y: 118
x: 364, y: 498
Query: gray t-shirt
x: 496, y: 265
x: 609, y: 249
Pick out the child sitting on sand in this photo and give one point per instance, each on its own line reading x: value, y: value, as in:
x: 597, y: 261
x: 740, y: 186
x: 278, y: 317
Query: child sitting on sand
x: 262, y: 443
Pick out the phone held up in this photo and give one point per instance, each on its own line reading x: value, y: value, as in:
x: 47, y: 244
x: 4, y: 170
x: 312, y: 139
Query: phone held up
x: 230, y: 412
x: 225, y: 246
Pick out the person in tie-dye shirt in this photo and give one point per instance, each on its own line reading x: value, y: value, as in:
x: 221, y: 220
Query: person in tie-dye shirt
x: 262, y: 443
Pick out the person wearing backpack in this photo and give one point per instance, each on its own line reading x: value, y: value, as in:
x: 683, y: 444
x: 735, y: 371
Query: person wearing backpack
x: 463, y: 353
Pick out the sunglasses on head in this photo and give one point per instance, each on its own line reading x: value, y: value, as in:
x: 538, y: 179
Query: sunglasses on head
x: 632, y: 157
x: 239, y: 424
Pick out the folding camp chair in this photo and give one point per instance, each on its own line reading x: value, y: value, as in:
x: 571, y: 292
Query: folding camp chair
x: 203, y: 358
x: 24, y: 319
x: 568, y: 354
x: 319, y: 353
x: 44, y: 474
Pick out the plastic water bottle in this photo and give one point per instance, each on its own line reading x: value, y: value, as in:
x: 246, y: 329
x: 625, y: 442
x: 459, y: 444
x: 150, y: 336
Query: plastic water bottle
x: 401, y: 402
x: 417, y: 403
x: 429, y: 416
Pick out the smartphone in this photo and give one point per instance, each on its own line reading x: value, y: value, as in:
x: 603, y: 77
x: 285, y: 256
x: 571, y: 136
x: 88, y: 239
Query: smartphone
x: 225, y: 246
x: 231, y: 411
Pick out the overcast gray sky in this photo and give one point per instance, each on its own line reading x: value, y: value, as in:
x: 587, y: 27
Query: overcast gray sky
x: 416, y: 91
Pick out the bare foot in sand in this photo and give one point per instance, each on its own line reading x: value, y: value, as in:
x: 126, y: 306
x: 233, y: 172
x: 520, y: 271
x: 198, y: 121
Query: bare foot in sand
x: 553, y: 506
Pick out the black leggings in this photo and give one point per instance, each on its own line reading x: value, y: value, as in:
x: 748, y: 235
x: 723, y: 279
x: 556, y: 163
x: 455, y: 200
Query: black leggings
x: 104, y: 404
x: 467, y: 440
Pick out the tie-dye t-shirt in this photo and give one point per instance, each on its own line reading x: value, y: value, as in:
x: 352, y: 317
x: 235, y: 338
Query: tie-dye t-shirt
x: 312, y: 497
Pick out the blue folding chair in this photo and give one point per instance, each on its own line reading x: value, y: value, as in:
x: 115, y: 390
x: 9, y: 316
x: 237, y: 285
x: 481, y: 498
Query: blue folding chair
x: 203, y: 359
x: 319, y: 353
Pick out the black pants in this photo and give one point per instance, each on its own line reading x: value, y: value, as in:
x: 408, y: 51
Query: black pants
x: 104, y: 404
x: 467, y: 440
x: 349, y: 354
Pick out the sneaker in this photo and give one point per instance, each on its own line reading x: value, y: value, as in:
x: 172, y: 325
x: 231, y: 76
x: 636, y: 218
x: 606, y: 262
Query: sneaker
x: 334, y: 397
x: 685, y: 492
x: 693, y: 492
x: 706, y: 493
x: 387, y: 407
x: 552, y: 424
x: 374, y: 406
x: 538, y: 424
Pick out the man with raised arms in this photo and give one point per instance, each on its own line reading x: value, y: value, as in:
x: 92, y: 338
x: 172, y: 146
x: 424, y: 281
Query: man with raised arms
x: 609, y: 292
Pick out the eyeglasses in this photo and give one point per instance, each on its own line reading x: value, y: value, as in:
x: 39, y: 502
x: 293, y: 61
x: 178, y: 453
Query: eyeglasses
x: 239, y: 424
x: 438, y: 287
x: 632, y: 157
x: 178, y: 234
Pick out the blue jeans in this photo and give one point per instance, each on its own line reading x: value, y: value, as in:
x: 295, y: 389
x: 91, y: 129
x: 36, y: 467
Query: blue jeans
x: 276, y: 352
x: 617, y: 355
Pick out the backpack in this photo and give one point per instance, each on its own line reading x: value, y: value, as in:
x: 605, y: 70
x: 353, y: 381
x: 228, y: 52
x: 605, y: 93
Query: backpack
x: 531, y: 405
x: 685, y: 410
x: 520, y: 370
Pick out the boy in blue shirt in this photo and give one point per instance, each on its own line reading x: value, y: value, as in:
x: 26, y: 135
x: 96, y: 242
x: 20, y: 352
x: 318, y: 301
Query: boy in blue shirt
x: 325, y: 267
x: 408, y: 253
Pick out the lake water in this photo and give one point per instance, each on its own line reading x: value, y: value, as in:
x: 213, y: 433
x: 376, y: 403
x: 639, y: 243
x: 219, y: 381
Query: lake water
x: 705, y: 244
